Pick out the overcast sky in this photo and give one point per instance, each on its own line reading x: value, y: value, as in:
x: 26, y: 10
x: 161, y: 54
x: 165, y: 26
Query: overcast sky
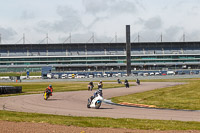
x: 106, y: 19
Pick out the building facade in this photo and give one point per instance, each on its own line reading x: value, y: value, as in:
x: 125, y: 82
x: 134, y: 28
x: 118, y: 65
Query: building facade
x: 99, y: 56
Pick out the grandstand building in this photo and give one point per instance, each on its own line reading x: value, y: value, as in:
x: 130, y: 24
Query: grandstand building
x: 99, y: 56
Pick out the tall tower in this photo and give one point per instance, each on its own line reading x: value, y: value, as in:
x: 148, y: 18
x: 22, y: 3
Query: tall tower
x: 128, y: 50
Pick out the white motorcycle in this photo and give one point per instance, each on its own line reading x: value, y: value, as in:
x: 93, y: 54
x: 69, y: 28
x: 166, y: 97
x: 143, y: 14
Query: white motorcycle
x: 95, y: 102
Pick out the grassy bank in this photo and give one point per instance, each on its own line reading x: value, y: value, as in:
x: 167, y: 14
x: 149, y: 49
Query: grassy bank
x: 185, y: 96
x: 99, y: 122
x: 20, y: 74
x: 38, y: 87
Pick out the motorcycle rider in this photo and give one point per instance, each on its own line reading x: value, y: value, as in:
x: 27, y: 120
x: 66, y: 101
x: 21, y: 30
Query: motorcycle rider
x: 50, y: 88
x: 119, y: 81
x: 95, y: 101
x: 99, y: 91
x: 138, y: 81
x: 100, y: 84
x: 126, y: 83
x: 90, y: 84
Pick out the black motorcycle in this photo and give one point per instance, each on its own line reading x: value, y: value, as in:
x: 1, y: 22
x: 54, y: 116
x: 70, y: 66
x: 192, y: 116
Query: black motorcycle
x: 126, y: 84
x: 119, y: 81
x: 138, y: 82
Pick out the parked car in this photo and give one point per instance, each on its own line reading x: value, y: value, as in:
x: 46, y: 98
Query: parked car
x: 64, y: 76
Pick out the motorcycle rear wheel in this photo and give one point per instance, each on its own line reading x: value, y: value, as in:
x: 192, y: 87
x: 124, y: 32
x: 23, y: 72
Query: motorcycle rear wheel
x: 88, y: 104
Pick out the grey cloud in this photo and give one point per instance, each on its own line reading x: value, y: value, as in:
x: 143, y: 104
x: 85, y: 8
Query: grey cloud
x: 139, y: 21
x: 96, y: 6
x: 43, y: 27
x: 151, y: 29
x: 153, y: 23
x: 7, y: 33
x: 194, y: 11
x: 173, y: 33
x: 108, y: 9
x: 69, y: 22
x: 194, y: 36
x: 123, y: 7
x: 114, y: 7
x: 27, y: 15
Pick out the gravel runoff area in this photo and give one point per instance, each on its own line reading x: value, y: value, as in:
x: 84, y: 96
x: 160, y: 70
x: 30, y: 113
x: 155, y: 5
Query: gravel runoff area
x: 75, y: 104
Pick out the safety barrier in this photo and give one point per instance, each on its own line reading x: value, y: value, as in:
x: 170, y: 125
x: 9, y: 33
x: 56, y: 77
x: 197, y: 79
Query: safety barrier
x: 10, y: 89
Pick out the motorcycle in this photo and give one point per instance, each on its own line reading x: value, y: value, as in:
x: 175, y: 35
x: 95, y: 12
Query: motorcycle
x: 119, y: 81
x: 90, y: 87
x: 47, y: 94
x: 95, y: 102
x: 126, y: 84
x: 138, y: 82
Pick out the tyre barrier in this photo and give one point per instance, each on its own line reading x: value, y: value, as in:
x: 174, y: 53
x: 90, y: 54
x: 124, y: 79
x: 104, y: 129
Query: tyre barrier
x: 10, y: 89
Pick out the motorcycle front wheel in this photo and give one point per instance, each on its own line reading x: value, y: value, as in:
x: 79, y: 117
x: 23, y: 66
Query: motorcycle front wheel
x: 46, y: 96
x: 97, y: 104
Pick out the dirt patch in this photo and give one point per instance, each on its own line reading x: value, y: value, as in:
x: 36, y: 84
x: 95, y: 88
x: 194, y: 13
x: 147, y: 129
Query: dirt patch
x: 28, y: 127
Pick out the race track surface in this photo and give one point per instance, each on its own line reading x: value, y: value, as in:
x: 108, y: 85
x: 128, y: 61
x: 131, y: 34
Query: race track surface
x: 74, y: 104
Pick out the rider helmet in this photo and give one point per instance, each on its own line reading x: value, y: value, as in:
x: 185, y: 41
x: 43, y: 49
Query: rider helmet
x: 99, y: 91
x: 50, y: 85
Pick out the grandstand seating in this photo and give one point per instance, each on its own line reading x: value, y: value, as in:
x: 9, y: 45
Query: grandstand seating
x: 115, y: 51
x: 95, y: 52
x: 17, y: 52
x: 3, y: 53
x: 137, y: 51
x: 76, y: 50
x: 112, y: 54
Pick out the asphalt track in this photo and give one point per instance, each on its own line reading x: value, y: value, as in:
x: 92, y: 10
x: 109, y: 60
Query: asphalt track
x: 74, y: 104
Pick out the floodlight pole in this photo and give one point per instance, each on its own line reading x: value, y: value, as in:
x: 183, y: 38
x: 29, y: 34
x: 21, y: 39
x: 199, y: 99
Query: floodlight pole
x: 128, y: 50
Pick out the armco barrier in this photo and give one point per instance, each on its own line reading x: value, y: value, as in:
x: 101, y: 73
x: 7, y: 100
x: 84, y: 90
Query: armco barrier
x: 10, y: 89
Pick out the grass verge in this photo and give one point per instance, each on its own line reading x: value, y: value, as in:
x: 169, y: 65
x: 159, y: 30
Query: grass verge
x: 20, y: 74
x: 185, y: 96
x: 99, y: 122
x: 39, y: 87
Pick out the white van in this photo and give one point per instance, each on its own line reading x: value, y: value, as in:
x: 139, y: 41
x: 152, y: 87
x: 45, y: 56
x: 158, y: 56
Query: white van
x: 91, y: 76
x: 80, y: 76
x: 69, y: 76
x: 105, y: 75
x: 98, y: 75
x: 56, y: 76
x: 170, y: 73
x: 49, y: 75
x: 157, y: 73
x: 151, y: 74
x: 64, y: 76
